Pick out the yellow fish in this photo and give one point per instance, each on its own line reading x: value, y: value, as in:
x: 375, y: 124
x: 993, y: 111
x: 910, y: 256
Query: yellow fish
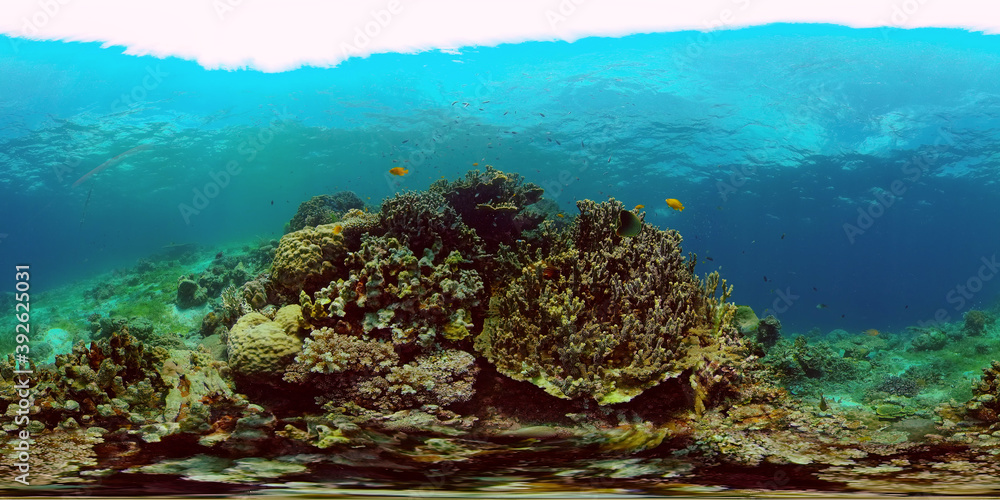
x: 639, y: 207
x: 398, y: 171
x: 675, y: 204
x: 337, y: 229
x: 475, y: 164
x: 560, y: 216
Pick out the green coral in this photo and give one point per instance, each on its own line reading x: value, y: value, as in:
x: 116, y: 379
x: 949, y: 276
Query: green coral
x: 496, y: 205
x: 603, y: 317
x: 323, y: 209
x: 391, y: 293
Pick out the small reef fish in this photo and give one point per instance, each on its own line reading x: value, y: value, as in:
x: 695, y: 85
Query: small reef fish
x: 560, y: 216
x: 629, y: 224
x: 675, y: 204
x: 337, y: 229
x: 871, y: 332
x: 398, y: 171
x: 476, y: 164
x: 639, y: 207
x: 821, y: 306
x: 549, y: 272
x: 822, y: 403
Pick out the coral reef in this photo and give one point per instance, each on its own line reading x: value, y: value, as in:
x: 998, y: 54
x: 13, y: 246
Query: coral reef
x: 308, y: 259
x: 319, y: 209
x: 600, y: 318
x: 421, y: 220
x: 768, y: 331
x: 985, y: 403
x: 261, y: 348
x: 390, y: 293
x: 496, y: 205
x: 366, y: 372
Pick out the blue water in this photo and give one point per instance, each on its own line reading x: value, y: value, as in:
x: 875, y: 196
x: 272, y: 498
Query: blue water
x: 772, y: 137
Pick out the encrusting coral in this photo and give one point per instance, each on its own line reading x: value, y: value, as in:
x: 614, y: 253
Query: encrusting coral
x: 601, y: 316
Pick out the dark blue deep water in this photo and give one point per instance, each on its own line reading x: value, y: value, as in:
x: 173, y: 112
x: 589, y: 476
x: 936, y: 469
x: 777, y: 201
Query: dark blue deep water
x: 776, y: 139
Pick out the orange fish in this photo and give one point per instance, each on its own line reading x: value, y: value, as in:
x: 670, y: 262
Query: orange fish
x: 871, y: 332
x: 337, y: 229
x: 475, y: 164
x: 560, y: 216
x: 675, y: 204
x: 549, y: 272
x: 639, y: 207
x: 398, y: 171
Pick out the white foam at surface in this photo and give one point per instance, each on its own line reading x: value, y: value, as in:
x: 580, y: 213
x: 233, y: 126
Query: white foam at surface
x: 278, y: 36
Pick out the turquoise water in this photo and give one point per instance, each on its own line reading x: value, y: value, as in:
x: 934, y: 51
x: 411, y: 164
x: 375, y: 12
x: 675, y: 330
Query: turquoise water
x: 837, y: 178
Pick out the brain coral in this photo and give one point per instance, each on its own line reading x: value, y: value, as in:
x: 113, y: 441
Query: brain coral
x: 603, y: 316
x: 310, y: 258
x: 259, y: 347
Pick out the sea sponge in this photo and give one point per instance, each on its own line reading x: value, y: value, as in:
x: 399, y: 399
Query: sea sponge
x: 259, y: 347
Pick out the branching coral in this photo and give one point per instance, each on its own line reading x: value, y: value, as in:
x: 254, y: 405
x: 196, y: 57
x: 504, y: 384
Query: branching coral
x: 419, y: 220
x: 603, y: 316
x: 494, y: 204
x: 390, y: 293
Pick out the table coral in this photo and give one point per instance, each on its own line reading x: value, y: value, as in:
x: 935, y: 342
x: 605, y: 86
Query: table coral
x: 613, y: 317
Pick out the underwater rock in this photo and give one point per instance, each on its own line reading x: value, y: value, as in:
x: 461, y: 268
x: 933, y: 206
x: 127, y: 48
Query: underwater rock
x: 976, y: 322
x: 189, y: 294
x: 616, y: 319
x: 931, y: 341
x: 261, y: 348
x: 57, y: 341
